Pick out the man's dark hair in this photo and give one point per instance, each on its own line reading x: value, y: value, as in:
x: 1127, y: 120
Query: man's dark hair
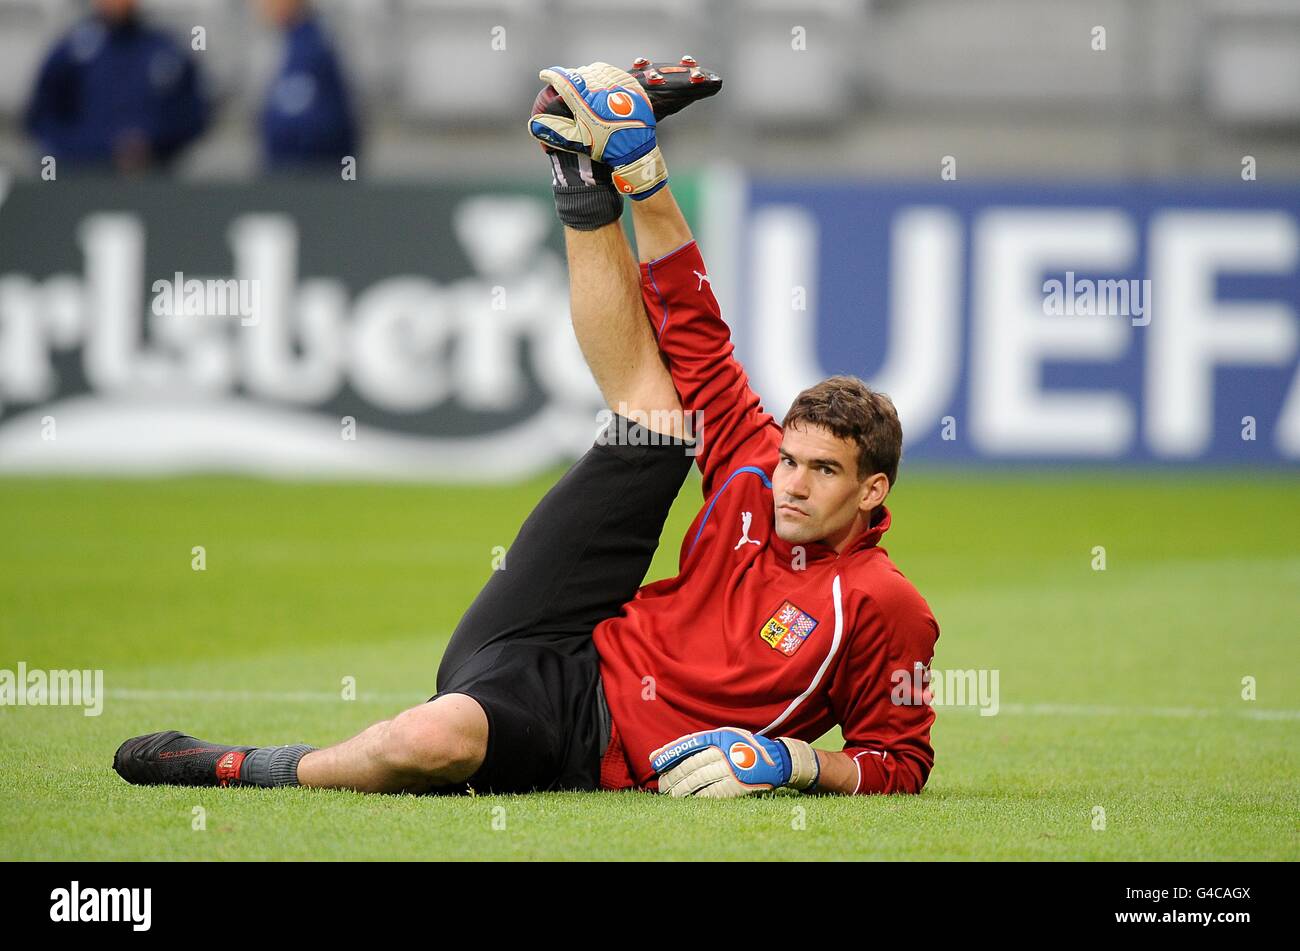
x: 852, y: 410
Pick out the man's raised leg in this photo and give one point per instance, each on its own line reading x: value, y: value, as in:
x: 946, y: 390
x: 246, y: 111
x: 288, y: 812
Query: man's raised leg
x: 610, y: 323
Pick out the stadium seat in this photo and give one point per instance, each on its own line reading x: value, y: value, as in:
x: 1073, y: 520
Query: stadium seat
x: 448, y: 68
x: 224, y: 62
x: 1251, y: 70
x: 28, y: 28
x: 953, y: 52
x: 792, y: 63
x: 366, y: 33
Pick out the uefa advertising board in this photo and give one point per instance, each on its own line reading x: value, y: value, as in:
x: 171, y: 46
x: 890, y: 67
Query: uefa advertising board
x: 421, y: 331
x: 1149, y: 324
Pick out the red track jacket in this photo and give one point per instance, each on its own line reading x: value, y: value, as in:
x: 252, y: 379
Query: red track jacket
x: 751, y: 633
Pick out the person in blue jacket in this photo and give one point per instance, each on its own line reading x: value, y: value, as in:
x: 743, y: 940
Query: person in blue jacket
x: 307, y: 118
x: 115, y: 92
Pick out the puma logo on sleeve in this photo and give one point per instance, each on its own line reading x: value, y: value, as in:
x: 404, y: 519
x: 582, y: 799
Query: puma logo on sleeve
x: 746, y: 519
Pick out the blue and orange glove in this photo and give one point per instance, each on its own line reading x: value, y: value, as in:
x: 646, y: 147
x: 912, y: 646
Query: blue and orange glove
x: 731, y: 762
x: 612, y: 121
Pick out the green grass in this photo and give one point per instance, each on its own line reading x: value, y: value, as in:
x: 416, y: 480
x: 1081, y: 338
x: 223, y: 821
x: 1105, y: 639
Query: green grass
x: 1119, y: 688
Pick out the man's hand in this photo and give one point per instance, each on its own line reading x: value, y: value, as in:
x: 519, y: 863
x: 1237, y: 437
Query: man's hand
x: 730, y: 762
x: 613, y: 122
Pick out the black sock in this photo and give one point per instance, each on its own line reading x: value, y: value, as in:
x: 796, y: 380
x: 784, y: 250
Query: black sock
x: 273, y: 765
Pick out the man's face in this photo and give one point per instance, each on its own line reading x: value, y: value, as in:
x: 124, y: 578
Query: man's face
x: 816, y: 490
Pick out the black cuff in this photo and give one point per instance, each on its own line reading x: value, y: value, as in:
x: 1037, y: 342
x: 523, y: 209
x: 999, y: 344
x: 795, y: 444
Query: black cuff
x: 588, y: 207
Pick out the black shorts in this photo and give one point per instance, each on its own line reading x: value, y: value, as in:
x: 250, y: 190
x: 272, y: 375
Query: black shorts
x: 524, y: 651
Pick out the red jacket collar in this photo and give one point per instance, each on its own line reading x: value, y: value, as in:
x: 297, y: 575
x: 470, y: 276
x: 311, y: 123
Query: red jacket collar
x: 816, y: 551
x: 870, y: 536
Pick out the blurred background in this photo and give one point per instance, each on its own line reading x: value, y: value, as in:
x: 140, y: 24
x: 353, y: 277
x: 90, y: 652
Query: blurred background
x: 884, y: 188
x: 1182, y: 87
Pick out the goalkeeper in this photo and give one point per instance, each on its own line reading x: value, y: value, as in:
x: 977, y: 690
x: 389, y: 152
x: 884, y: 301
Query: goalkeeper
x: 786, y: 618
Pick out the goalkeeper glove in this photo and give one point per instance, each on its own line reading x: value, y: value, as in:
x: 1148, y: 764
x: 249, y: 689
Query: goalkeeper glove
x: 730, y: 762
x: 613, y: 122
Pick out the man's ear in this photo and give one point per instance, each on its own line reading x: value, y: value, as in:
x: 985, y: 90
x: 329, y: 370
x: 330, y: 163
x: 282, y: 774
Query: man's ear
x: 874, y: 490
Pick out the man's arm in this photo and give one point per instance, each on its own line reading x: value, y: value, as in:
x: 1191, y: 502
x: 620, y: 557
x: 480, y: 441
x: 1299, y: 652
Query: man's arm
x: 660, y: 225
x: 885, y: 722
x: 839, y: 774
x: 691, y: 333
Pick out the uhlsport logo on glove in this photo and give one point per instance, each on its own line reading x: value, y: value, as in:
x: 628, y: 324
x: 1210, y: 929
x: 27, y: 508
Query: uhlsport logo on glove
x: 620, y: 103
x: 691, y: 743
x: 743, y: 755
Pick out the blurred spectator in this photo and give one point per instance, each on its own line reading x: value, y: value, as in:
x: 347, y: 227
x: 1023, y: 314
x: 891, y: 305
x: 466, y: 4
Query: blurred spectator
x: 307, y: 118
x: 116, y: 92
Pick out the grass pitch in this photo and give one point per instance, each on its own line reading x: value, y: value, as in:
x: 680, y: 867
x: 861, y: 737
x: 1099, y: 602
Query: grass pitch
x: 1120, y: 690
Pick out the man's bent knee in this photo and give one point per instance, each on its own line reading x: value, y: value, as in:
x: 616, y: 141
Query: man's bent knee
x: 441, y: 742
